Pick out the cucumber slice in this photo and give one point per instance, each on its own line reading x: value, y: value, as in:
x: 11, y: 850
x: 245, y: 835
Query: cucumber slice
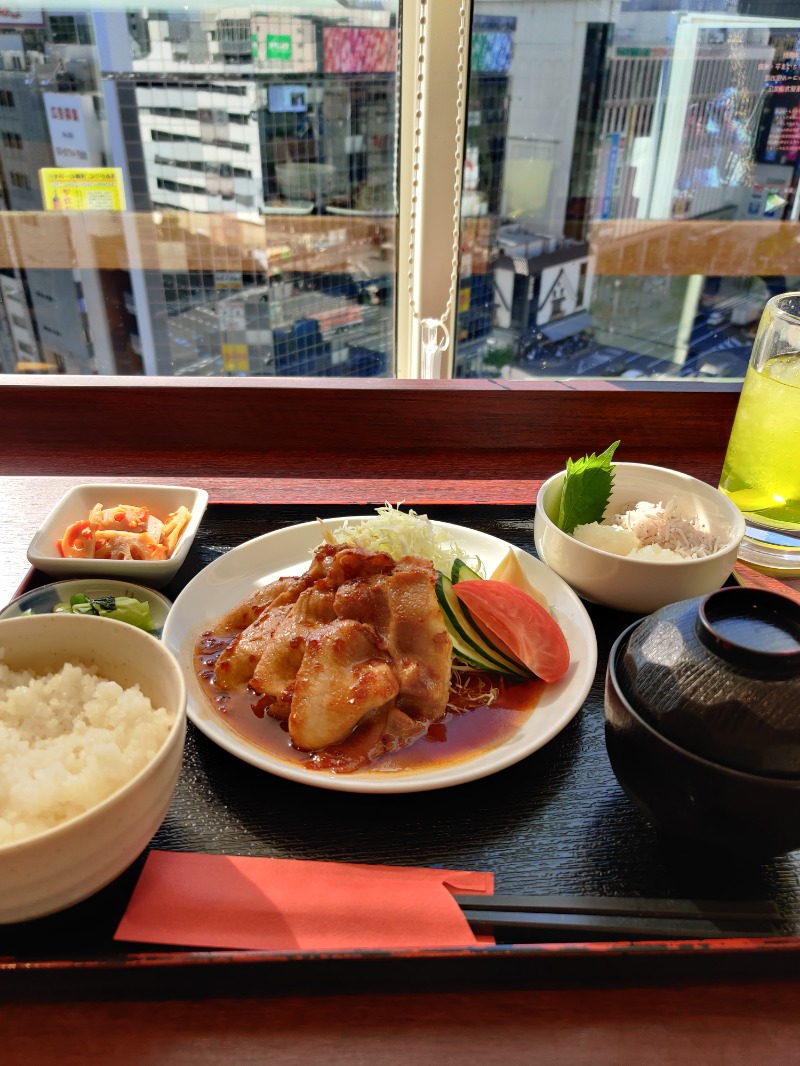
x: 469, y: 643
x: 461, y: 572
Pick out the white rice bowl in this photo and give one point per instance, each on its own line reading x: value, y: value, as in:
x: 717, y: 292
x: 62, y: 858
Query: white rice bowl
x: 68, y: 741
x: 92, y: 727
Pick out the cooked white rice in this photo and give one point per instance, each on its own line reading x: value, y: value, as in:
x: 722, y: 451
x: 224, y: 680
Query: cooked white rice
x: 68, y: 740
x: 652, y: 531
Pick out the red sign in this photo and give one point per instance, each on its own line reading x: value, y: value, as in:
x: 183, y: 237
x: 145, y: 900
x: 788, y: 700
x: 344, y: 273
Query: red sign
x: 13, y: 17
x: 358, y: 50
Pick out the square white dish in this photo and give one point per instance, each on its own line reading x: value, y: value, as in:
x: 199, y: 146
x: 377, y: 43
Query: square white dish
x: 162, y: 500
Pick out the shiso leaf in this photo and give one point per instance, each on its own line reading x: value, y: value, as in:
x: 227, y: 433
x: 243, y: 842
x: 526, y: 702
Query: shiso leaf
x: 586, y: 490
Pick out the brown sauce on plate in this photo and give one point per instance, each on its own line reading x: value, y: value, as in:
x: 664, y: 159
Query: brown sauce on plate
x: 468, y: 728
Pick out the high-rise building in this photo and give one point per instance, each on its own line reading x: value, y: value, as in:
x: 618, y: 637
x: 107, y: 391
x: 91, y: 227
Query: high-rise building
x: 257, y: 119
x: 51, y: 116
x: 264, y: 120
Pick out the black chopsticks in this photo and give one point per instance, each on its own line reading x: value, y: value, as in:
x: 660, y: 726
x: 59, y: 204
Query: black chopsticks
x: 601, y: 917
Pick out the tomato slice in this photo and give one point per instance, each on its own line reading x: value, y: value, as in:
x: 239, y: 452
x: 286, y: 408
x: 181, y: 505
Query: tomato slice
x: 511, y: 616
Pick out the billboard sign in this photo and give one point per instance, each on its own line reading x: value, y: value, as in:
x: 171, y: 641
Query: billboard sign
x: 359, y: 50
x: 234, y: 358
x: 16, y: 17
x: 278, y: 46
x: 231, y: 316
x: 74, y: 129
x: 491, y: 53
x: 86, y: 189
x: 228, y: 279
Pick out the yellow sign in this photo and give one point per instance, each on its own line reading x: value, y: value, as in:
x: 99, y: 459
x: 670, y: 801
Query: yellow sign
x: 234, y: 358
x: 86, y: 189
x: 228, y: 279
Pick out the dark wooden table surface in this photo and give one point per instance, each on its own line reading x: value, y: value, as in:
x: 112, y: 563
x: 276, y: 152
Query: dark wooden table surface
x: 720, y: 1017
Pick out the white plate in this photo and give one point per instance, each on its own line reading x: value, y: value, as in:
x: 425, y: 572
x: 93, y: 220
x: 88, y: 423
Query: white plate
x: 226, y: 581
x: 357, y: 212
x: 289, y: 207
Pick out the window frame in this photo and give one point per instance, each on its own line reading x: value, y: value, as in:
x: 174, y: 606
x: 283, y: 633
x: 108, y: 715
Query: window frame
x: 425, y: 282
x: 502, y: 435
x: 423, y: 285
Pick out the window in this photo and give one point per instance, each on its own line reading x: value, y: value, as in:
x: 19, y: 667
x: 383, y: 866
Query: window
x: 177, y: 186
x: 64, y: 29
x: 631, y: 186
x: 234, y: 30
x: 164, y: 135
x: 629, y: 197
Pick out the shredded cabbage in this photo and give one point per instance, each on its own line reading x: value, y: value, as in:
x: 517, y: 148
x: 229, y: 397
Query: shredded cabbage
x: 401, y: 533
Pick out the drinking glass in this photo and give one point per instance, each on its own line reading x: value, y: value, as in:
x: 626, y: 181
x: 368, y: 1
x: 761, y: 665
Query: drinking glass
x: 761, y: 473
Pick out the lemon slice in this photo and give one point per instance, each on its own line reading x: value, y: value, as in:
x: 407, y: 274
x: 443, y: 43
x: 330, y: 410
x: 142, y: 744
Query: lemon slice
x: 510, y: 571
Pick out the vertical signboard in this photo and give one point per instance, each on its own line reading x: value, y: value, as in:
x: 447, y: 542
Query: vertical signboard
x: 232, y: 321
x: 74, y: 129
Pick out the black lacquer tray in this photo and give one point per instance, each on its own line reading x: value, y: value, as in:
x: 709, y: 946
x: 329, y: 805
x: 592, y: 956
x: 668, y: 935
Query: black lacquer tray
x: 557, y: 822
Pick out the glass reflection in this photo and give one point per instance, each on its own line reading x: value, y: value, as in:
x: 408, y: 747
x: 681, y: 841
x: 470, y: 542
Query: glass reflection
x: 647, y: 158
x: 198, y: 191
x: 213, y: 191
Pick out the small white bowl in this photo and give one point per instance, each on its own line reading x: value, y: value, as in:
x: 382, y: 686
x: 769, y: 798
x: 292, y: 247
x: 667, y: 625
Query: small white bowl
x: 162, y: 500
x: 63, y: 865
x: 43, y: 599
x: 640, y: 585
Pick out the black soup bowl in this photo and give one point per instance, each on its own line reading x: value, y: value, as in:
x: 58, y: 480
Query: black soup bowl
x: 702, y: 720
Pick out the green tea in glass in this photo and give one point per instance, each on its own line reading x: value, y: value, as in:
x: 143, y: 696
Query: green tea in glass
x: 761, y: 473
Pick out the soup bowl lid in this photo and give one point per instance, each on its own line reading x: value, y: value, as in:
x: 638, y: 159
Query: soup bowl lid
x: 719, y: 675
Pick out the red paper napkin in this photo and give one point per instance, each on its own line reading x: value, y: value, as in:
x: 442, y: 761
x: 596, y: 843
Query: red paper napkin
x: 227, y: 901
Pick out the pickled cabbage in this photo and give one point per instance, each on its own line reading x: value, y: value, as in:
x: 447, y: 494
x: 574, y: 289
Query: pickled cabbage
x: 123, y: 608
